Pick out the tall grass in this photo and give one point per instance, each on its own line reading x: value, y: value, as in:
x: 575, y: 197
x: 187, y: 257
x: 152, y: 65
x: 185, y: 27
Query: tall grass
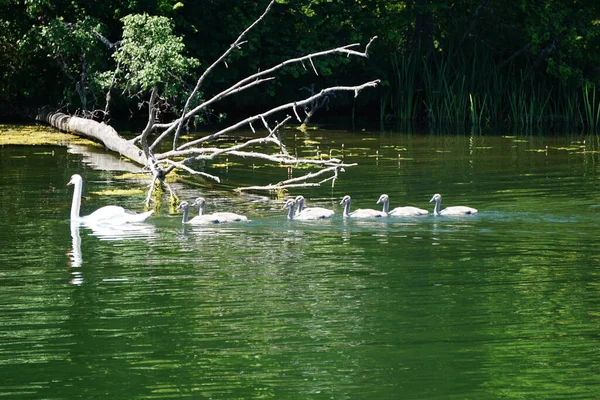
x: 591, y: 108
x: 404, y: 97
x: 470, y: 90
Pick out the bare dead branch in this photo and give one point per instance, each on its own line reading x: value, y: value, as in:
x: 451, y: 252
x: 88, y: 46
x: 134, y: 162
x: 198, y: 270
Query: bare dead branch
x: 245, y: 83
x: 324, y: 92
x: 107, y: 43
x: 236, y: 44
x: 294, y: 182
x: 276, y: 187
x: 172, y: 125
x: 192, y: 171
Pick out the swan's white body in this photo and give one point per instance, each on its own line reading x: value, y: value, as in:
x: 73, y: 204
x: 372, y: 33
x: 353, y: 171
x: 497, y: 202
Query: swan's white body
x: 109, y: 215
x: 454, y: 210
x: 207, y: 219
x: 361, y: 212
x: 407, y: 211
x: 310, y: 213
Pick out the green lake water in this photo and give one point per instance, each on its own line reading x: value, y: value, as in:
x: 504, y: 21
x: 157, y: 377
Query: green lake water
x: 502, y: 304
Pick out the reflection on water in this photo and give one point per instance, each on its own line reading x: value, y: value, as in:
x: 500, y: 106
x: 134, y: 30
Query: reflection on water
x: 122, y: 231
x: 101, y: 159
x: 75, y: 256
x: 139, y: 231
x: 499, y: 304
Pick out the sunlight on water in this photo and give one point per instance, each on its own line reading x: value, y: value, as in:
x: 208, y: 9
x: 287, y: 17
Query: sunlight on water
x: 503, y: 303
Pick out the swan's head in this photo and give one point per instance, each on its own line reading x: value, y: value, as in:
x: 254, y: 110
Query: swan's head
x: 383, y: 198
x: 289, y: 203
x: 436, y: 197
x: 299, y: 199
x: 200, y: 201
x: 345, y: 199
x: 183, y: 205
x: 75, y: 179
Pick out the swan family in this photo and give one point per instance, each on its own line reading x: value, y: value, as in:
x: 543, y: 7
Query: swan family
x: 297, y: 210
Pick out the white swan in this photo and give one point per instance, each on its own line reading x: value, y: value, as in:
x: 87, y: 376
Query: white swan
x: 207, y: 219
x: 407, y: 211
x: 361, y: 212
x: 109, y: 215
x: 310, y: 213
x: 455, y: 210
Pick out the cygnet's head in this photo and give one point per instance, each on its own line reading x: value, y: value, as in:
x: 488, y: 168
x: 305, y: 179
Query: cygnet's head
x: 383, y: 198
x: 200, y: 201
x: 183, y: 205
x: 289, y: 203
x: 345, y: 199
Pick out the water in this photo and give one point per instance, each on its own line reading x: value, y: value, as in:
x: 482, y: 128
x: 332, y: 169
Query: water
x: 505, y: 303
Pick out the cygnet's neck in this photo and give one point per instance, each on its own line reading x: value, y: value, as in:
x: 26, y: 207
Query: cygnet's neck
x: 300, y: 206
x: 186, y: 210
x: 347, y: 209
x: 386, y: 206
x: 436, y: 208
x: 291, y: 211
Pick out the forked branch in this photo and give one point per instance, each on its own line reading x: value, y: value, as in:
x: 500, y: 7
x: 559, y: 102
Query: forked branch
x: 270, y: 147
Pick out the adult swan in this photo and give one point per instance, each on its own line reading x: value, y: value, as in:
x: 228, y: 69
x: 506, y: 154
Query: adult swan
x: 110, y: 215
x: 454, y: 210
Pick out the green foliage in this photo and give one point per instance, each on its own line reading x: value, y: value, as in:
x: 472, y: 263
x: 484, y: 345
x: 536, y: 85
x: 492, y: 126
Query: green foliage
x: 523, y: 63
x: 444, y: 62
x: 151, y: 55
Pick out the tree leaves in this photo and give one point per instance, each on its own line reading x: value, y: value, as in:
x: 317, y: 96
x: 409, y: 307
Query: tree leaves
x: 150, y: 54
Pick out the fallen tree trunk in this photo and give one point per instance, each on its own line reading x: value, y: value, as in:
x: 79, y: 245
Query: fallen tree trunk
x: 96, y: 131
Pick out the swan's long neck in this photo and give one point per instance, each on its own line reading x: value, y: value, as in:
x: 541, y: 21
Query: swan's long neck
x: 76, y: 203
x: 291, y: 212
x: 202, y: 209
x: 436, y: 208
x: 186, y: 210
x: 386, y: 206
x: 300, y: 205
x: 347, y: 209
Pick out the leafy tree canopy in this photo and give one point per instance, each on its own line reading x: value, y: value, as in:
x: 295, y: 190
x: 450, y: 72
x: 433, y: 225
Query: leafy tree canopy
x: 150, y: 54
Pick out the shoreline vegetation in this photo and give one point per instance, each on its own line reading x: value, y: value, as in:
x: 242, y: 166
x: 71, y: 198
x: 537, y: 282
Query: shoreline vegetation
x: 478, y: 64
x: 476, y: 93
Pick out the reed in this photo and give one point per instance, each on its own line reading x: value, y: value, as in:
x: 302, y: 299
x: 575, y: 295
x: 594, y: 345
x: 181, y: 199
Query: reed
x: 591, y: 108
x: 403, y: 98
x: 462, y: 89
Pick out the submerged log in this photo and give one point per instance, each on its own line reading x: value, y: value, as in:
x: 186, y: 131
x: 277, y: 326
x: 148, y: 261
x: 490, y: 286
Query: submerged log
x: 96, y: 131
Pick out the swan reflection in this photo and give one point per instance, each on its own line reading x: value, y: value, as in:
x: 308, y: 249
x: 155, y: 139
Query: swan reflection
x: 102, y: 232
x: 122, y: 232
x: 75, y: 255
